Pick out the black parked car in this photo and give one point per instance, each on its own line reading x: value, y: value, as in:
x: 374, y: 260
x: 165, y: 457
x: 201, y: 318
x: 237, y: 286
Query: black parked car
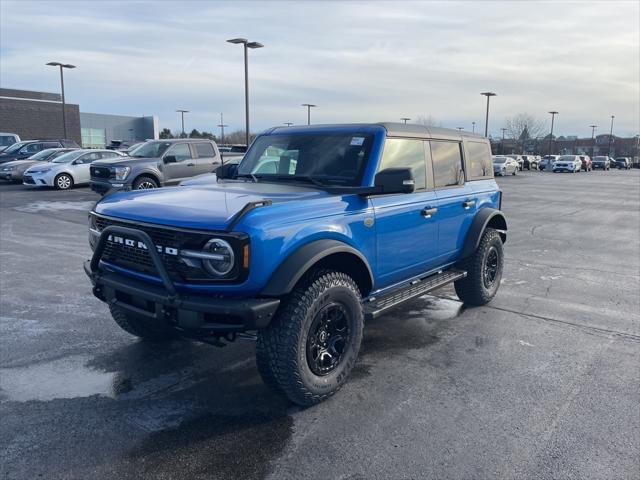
x: 25, y: 149
x: 622, y: 162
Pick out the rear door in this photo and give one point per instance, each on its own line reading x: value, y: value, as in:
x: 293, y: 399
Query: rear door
x: 184, y: 165
x: 456, y: 200
x: 207, y: 160
x: 406, y: 228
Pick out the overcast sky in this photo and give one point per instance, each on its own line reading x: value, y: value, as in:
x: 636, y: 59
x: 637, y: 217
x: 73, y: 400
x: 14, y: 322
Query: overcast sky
x: 359, y: 61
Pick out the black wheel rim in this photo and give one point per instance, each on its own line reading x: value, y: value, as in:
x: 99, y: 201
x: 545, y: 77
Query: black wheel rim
x: 490, y: 273
x: 328, y: 339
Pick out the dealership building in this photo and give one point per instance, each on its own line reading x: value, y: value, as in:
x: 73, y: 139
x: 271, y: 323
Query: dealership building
x: 39, y: 115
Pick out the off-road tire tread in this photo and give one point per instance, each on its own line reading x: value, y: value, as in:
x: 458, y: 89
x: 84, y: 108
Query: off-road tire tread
x: 471, y: 289
x: 280, y: 340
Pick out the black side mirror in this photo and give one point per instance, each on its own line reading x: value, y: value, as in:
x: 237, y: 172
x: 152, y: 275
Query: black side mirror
x: 170, y: 159
x: 226, y: 171
x: 394, y: 180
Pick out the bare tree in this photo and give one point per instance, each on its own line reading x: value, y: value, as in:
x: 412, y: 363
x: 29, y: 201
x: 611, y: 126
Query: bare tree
x: 427, y: 121
x: 524, y: 126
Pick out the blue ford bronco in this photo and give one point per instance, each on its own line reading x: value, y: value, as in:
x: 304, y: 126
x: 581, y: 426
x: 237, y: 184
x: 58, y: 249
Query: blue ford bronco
x: 318, y: 229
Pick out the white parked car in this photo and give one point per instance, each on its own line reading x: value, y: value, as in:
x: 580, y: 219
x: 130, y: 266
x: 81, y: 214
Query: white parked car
x: 567, y: 163
x: 8, y: 139
x: 67, y: 170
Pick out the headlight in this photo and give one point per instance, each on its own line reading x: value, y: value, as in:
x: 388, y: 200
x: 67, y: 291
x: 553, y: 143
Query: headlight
x: 44, y: 170
x: 219, y: 258
x: 122, y: 172
x: 8, y: 169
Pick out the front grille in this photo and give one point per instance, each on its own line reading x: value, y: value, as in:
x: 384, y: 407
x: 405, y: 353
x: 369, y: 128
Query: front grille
x: 138, y: 259
x: 100, y: 172
x: 28, y: 179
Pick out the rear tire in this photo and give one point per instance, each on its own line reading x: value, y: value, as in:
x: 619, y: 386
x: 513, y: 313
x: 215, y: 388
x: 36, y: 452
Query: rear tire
x: 144, y: 183
x: 484, y: 271
x: 140, y: 327
x: 313, y: 342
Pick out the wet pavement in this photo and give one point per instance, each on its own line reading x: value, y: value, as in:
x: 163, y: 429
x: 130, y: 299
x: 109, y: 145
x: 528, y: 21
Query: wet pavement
x: 542, y: 383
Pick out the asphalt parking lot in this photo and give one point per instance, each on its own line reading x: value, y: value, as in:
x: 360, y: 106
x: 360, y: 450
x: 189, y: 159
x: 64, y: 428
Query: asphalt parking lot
x: 542, y: 383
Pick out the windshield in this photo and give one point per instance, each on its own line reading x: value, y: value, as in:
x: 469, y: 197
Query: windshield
x: 499, y: 160
x: 42, y: 155
x: 15, y: 147
x: 330, y: 159
x: 7, y: 140
x: 150, y: 150
x: 567, y: 158
x: 68, y: 157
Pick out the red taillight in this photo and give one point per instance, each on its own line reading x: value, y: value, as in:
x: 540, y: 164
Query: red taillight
x: 500, y: 200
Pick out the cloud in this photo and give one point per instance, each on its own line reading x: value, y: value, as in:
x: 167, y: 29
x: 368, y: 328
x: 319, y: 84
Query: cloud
x: 359, y: 61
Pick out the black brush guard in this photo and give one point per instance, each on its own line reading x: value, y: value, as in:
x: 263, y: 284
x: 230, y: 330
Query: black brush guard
x: 194, y: 314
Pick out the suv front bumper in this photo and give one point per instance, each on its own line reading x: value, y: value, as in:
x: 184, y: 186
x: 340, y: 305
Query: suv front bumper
x: 193, y: 314
x: 102, y: 187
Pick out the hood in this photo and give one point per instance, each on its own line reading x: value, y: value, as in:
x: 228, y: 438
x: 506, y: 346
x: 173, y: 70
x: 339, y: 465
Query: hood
x: 206, y: 207
x: 17, y: 163
x: 126, y: 161
x: 7, y: 157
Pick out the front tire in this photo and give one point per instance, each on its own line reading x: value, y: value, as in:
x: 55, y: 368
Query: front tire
x: 140, y: 327
x: 313, y: 342
x: 64, y: 181
x: 484, y: 271
x: 144, y: 183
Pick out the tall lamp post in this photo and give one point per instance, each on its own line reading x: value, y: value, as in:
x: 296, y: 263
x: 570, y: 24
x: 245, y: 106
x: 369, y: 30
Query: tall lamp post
x: 247, y: 45
x: 182, y: 112
x: 64, y: 114
x: 610, y: 136
x: 553, y: 116
x: 486, y: 122
x: 460, y: 128
x: 405, y: 119
x: 309, y: 107
x: 473, y: 127
x: 222, y: 125
x: 288, y: 124
x: 593, y: 132
x: 502, y: 149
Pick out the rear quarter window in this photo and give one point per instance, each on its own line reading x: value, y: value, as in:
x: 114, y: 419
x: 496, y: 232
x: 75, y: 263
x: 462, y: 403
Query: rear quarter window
x: 204, y: 150
x: 478, y: 160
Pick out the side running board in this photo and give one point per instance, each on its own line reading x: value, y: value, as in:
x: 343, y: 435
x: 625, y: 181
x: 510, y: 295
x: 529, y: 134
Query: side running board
x: 376, y: 306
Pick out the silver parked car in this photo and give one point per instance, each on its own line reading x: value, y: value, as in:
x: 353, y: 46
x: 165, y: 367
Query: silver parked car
x: 67, y: 170
x: 13, y: 171
x: 504, y: 165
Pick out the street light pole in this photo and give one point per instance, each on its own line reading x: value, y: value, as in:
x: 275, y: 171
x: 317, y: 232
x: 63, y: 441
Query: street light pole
x: 309, y: 106
x: 473, y: 127
x: 182, y: 112
x: 460, y: 128
x: 486, y: 122
x: 405, y: 119
x: 502, y: 149
x: 288, y: 124
x: 553, y: 116
x: 247, y: 45
x: 593, y: 131
x: 610, y: 136
x: 222, y: 125
x: 64, y: 113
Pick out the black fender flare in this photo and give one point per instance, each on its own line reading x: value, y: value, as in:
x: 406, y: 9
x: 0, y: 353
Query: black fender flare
x: 148, y: 172
x: 481, y: 221
x: 291, y: 270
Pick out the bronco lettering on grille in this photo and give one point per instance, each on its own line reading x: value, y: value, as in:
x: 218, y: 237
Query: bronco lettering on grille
x: 141, y: 245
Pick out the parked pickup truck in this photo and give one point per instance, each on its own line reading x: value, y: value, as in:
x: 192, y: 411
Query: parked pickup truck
x: 316, y: 230
x: 155, y: 164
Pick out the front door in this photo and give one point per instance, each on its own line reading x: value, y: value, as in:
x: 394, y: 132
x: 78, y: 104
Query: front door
x: 183, y: 167
x: 81, y: 173
x: 406, y: 225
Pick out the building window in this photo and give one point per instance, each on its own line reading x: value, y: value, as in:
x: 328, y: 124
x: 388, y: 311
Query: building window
x: 94, y: 138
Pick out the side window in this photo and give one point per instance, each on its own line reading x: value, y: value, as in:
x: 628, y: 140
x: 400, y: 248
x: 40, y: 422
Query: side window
x: 204, y: 150
x: 447, y: 163
x: 108, y: 155
x: 90, y: 157
x: 31, y: 148
x: 478, y: 158
x: 52, y: 145
x: 181, y: 151
x: 406, y: 153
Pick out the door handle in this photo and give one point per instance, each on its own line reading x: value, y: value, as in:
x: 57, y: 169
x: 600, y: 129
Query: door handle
x: 427, y: 212
x: 468, y: 203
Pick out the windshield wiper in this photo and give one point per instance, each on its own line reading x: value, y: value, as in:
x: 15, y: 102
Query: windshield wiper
x: 303, y: 178
x: 248, y: 175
